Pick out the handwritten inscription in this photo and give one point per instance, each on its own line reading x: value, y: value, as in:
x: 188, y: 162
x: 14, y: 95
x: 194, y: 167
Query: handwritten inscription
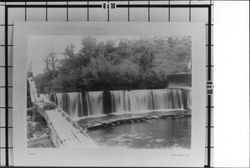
x: 179, y: 155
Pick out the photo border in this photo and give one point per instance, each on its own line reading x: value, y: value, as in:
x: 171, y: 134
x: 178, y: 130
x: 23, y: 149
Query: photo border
x: 209, y: 63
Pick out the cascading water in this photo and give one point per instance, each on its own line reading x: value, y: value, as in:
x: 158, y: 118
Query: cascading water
x: 61, y: 100
x: 92, y: 103
x: 95, y: 103
x: 118, y: 102
x: 75, y: 104
x: 140, y: 100
x: 189, y: 102
x: 162, y: 99
x: 134, y: 100
x: 187, y: 99
x: 71, y: 103
x: 177, y: 99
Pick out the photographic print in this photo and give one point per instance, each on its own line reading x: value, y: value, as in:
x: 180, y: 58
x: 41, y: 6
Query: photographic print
x: 115, y: 86
x: 130, y: 91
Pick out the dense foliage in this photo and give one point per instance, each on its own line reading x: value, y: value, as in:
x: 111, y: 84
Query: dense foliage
x: 144, y: 63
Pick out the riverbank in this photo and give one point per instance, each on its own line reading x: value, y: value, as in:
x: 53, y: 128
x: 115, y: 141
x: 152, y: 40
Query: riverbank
x: 37, y: 131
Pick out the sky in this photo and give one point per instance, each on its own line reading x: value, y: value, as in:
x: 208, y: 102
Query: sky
x: 41, y: 46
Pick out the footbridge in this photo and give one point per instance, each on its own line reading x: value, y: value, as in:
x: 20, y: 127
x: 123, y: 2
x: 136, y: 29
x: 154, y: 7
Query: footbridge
x: 63, y: 130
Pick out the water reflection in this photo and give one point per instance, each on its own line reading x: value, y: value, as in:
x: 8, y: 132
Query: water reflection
x: 163, y: 133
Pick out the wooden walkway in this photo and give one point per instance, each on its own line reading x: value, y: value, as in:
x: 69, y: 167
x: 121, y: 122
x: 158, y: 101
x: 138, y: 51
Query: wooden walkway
x: 65, y: 133
x: 63, y: 130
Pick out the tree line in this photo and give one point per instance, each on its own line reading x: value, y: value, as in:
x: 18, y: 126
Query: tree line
x: 120, y: 64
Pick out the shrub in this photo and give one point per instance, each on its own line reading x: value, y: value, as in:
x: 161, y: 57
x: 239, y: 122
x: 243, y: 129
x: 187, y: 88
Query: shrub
x: 50, y: 106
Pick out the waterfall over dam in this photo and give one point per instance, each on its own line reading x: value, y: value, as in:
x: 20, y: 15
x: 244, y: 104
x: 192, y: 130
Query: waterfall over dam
x: 78, y: 104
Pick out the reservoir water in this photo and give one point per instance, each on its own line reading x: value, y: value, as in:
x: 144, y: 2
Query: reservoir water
x: 168, y: 132
x: 162, y: 133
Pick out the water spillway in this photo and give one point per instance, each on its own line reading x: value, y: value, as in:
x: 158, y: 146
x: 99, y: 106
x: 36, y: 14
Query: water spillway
x: 163, y: 99
x: 78, y: 104
x: 134, y: 100
x: 71, y: 103
x: 94, y: 103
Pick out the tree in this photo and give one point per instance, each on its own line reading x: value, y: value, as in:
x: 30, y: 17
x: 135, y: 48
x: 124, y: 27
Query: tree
x: 116, y: 64
x: 69, y: 51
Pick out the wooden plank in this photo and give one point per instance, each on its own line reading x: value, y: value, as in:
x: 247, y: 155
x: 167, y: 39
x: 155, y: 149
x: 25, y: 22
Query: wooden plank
x: 64, y: 132
x: 67, y: 133
x: 33, y: 91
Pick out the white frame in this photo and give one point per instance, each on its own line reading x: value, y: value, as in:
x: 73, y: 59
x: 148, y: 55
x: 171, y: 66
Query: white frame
x: 195, y: 157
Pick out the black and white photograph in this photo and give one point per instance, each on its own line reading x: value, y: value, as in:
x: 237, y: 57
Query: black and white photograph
x: 125, y: 91
x: 124, y: 83
x: 120, y: 87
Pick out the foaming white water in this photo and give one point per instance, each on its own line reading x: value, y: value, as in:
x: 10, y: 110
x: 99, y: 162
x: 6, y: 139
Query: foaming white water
x: 122, y: 101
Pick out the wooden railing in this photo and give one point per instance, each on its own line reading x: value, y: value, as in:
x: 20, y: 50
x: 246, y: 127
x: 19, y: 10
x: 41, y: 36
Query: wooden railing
x: 75, y: 138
